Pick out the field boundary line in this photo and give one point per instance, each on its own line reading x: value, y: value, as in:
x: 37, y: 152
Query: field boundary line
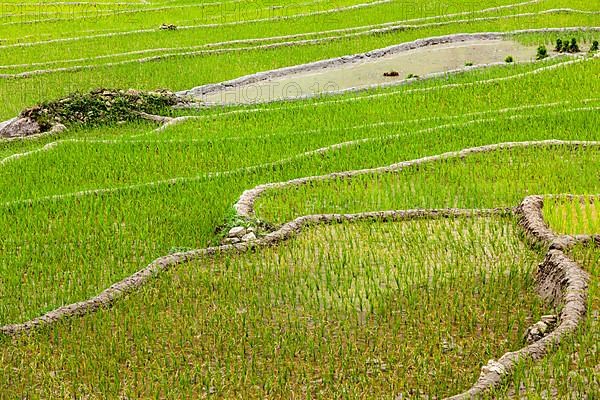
x: 155, y: 132
x: 205, y: 26
x: 159, y: 57
x: 248, y: 41
x: 334, y: 101
x: 120, y: 289
x: 559, y: 280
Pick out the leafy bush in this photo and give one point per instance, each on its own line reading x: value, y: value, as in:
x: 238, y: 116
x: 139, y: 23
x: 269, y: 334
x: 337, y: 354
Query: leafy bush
x: 594, y: 46
x: 509, y: 59
x: 542, y: 52
x: 567, y: 46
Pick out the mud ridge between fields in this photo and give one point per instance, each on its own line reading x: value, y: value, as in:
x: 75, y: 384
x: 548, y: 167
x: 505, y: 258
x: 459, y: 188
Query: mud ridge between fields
x: 245, y: 204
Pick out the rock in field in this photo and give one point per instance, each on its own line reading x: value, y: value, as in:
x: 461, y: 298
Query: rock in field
x: 249, y: 237
x: 238, y: 231
x: 19, y: 127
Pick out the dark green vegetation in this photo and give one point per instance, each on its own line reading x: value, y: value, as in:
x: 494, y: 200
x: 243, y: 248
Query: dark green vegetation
x: 101, y: 106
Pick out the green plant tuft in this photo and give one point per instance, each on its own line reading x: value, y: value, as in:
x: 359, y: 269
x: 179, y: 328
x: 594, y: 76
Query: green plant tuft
x: 542, y: 52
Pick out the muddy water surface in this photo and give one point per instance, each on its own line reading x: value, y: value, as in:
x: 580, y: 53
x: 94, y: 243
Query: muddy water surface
x: 369, y: 72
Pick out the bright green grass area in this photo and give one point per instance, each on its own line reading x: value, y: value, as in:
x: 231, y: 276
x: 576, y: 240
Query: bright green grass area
x: 182, y: 336
x: 571, y: 371
x: 85, y: 19
x: 573, y: 217
x: 139, y: 163
x: 347, y: 311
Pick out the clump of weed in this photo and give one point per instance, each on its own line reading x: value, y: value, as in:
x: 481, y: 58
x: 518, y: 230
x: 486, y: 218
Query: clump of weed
x: 468, y: 64
x: 100, y: 106
x: 509, y: 59
x: 542, y: 52
x: 412, y: 76
x: 594, y: 46
x: 175, y: 250
x: 391, y: 73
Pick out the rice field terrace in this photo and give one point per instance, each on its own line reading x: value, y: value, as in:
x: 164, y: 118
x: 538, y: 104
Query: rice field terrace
x: 349, y: 199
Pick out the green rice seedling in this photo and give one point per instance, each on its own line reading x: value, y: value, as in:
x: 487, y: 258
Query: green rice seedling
x: 370, y: 309
x: 569, y: 371
x: 579, y: 216
x: 351, y: 308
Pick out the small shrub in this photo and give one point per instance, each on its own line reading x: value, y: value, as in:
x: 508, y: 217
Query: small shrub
x: 542, y: 52
x: 573, y: 47
x: 412, y: 76
x: 509, y: 59
x: 594, y: 46
x: 559, y: 45
x: 468, y: 64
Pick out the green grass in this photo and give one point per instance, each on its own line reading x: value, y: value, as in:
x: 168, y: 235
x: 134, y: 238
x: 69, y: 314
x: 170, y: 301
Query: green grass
x: 500, y: 179
x: 363, y: 310
x: 573, y: 217
x: 184, y: 213
x: 353, y: 311
x: 182, y: 72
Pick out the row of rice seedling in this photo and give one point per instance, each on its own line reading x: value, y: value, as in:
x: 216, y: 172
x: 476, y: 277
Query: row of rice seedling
x: 126, y: 18
x: 40, y: 21
x: 66, y: 56
x: 302, y: 20
x: 206, y: 199
x: 364, y: 310
x: 501, y: 178
x: 579, y: 216
x: 347, y: 311
x: 571, y: 370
